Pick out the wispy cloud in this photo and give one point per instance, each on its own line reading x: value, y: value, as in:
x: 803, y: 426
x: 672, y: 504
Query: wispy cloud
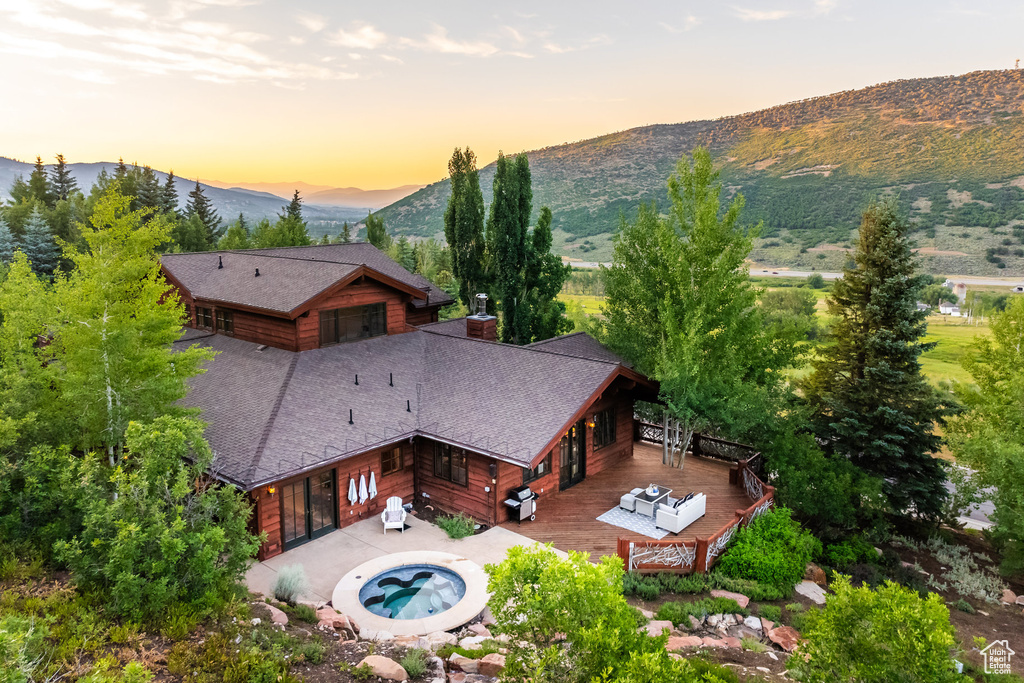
x: 825, y: 6
x: 558, y: 49
x: 438, y: 41
x: 688, y: 22
x: 391, y: 58
x: 746, y: 14
x: 366, y: 37
x: 314, y: 23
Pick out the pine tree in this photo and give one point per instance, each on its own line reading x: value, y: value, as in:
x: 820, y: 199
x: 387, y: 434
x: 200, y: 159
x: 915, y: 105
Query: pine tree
x: 376, y: 233
x: 38, y: 244
x: 346, y: 233
x: 169, y: 196
x: 39, y: 184
x: 200, y: 205
x: 61, y: 180
x: 150, y: 193
x: 294, y: 208
x: 507, y: 231
x: 464, y: 226
x: 7, y: 242
x: 871, y: 404
x: 237, y: 236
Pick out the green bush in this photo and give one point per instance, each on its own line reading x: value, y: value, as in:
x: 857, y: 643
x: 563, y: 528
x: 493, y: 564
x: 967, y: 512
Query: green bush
x: 487, y: 647
x: 773, y: 550
x: 888, y: 634
x: 415, y: 662
x: 771, y: 613
x: 679, y: 612
x: 302, y: 613
x: 291, y: 583
x: 755, y: 590
x: 311, y: 651
x: 21, y: 647
x: 853, y: 550
x: 964, y: 606
x: 363, y: 672
x: 802, y: 620
x: 457, y: 526
x: 795, y: 607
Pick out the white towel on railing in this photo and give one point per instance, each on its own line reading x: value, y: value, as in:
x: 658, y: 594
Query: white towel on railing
x: 362, y: 489
x: 373, y: 485
x: 352, y: 495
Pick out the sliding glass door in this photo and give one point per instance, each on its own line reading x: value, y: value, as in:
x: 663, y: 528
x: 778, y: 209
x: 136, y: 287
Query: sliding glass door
x: 573, y: 454
x: 309, y: 508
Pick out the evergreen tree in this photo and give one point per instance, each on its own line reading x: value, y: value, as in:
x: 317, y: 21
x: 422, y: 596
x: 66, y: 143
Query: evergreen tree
x: 507, y: 231
x: 376, y: 233
x: 346, y: 233
x: 169, y: 196
x: 61, y: 180
x: 402, y: 252
x: 464, y: 226
x: 237, y: 236
x: 190, y: 234
x: 128, y: 181
x: 200, y: 205
x: 544, y: 276
x: 7, y: 243
x: 39, y: 184
x: 871, y: 404
x: 150, y: 193
x: 39, y: 246
x: 294, y: 208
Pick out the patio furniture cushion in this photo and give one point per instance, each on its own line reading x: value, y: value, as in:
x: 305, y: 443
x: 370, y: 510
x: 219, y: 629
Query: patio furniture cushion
x: 394, y: 515
x: 677, y: 519
x: 637, y: 491
x: 628, y: 501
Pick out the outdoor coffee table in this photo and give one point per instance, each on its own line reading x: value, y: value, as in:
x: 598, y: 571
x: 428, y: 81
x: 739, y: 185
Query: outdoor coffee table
x: 646, y: 505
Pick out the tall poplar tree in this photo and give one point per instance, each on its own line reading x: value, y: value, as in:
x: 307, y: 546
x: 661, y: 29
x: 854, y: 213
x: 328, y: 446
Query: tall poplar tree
x: 508, y: 226
x: 464, y: 226
x: 39, y: 246
x: 61, y: 180
x: 200, y: 205
x: 871, y: 404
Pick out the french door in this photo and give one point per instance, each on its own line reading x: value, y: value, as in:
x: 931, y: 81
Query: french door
x: 573, y: 456
x: 309, y: 508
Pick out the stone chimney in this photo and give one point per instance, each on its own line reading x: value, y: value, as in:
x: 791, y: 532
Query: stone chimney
x: 481, y: 325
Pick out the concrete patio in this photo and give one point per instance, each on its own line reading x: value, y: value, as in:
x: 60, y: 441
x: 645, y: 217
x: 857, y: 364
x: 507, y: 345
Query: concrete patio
x: 327, y: 559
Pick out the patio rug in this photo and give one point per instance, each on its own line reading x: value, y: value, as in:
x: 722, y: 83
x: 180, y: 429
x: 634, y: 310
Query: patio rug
x: 637, y: 523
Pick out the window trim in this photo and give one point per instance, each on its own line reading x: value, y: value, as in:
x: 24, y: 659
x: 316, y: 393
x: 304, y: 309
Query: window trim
x: 207, y: 315
x: 333, y: 317
x: 384, y: 471
x: 531, y: 475
x: 224, y: 319
x: 604, y: 422
x: 442, y: 452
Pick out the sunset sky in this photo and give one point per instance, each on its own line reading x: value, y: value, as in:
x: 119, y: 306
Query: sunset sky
x: 376, y: 94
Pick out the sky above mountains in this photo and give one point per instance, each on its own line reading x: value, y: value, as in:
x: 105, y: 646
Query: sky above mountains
x: 378, y: 94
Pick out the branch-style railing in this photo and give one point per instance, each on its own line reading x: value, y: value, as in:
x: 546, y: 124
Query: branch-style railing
x: 700, y: 555
x: 711, y: 447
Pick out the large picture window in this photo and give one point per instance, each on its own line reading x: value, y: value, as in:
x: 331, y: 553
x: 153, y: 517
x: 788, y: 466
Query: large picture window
x: 391, y: 461
x: 450, y: 464
x: 340, y: 325
x: 542, y: 468
x: 225, y: 322
x: 204, y: 318
x: 604, y: 428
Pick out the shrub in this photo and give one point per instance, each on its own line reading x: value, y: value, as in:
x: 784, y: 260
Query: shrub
x: 312, y: 651
x: 773, y: 549
x: 771, y: 613
x: 487, y: 647
x: 457, y: 526
x: 795, y: 607
x: 753, y: 644
x: 853, y: 550
x: 802, y: 620
x: 302, y: 613
x: 755, y: 590
x: 291, y: 582
x: 21, y: 647
x: 964, y: 606
x: 415, y: 663
x: 889, y: 634
x: 679, y: 612
x: 363, y: 672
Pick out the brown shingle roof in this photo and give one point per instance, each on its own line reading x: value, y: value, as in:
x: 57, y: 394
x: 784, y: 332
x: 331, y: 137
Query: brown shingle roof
x: 289, y: 276
x: 274, y: 413
x: 579, y: 345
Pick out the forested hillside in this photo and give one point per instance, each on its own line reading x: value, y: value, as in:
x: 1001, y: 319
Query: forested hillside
x: 949, y: 147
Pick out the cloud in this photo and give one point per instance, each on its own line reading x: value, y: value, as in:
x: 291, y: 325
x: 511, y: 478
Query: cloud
x: 126, y: 10
x: 392, y: 58
x: 688, y: 23
x: 745, y: 14
x: 438, y: 41
x: 557, y: 49
x: 314, y: 23
x: 365, y: 37
x: 825, y: 6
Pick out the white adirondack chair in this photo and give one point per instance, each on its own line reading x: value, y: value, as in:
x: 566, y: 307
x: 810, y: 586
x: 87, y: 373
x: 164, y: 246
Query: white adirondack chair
x: 394, y: 514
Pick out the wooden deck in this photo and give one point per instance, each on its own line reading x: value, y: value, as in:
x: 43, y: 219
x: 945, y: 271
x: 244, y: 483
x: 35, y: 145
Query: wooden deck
x: 568, y: 519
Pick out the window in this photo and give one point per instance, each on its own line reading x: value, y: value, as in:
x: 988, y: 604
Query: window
x: 225, y: 322
x: 391, y: 461
x: 604, y: 428
x: 542, y: 468
x: 204, y: 318
x: 340, y: 325
x: 450, y: 464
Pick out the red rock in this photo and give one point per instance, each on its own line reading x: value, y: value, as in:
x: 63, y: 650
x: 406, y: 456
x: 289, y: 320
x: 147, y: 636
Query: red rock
x: 743, y: 600
x: 714, y: 642
x: 1009, y: 598
x: 785, y: 637
x: 277, y: 616
x: 491, y: 665
x: 733, y: 642
x: 654, y: 628
x: 766, y: 625
x: 385, y: 668
x: 816, y: 574
x: 480, y: 630
x: 679, y: 642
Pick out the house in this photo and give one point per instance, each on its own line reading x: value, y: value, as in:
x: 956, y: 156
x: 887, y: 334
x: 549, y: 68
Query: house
x: 332, y: 367
x: 946, y: 308
x: 921, y: 306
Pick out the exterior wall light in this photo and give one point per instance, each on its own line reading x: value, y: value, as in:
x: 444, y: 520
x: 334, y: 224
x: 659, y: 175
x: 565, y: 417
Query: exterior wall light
x: 271, y: 490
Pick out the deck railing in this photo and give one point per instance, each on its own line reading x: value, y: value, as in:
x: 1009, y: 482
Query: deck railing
x: 711, y: 447
x: 700, y: 555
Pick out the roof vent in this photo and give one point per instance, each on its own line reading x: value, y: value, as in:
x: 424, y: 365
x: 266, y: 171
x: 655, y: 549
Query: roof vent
x: 220, y: 262
x: 481, y: 305
x: 257, y: 272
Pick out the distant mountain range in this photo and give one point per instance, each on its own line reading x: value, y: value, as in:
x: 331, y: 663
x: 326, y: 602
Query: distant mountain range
x: 951, y: 148
x: 350, y: 197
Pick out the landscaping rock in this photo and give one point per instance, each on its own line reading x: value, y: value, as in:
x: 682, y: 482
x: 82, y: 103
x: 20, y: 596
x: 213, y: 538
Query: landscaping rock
x: 1020, y: 600
x: 648, y: 614
x: 385, y: 668
x: 753, y: 623
x: 815, y: 574
x: 461, y: 663
x: 480, y: 630
x: 486, y: 618
x: 766, y: 625
x: 460, y: 677
x: 695, y: 623
x: 683, y: 641
x: 439, y: 639
x: 471, y: 642
x: 654, y: 628
x: 1009, y: 598
x: 277, y: 616
x: 713, y: 620
x: 733, y: 642
x: 256, y: 621
x: 743, y: 600
x: 491, y: 665
x: 414, y: 642
x: 436, y: 668
x: 785, y: 637
x: 378, y: 636
x: 811, y: 591
x: 773, y: 656
x: 714, y: 642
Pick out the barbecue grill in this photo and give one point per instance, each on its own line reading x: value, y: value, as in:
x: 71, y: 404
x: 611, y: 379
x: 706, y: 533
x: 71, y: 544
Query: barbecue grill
x: 521, y: 504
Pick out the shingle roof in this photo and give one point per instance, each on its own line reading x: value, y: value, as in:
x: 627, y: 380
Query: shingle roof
x: 454, y: 327
x: 289, y: 276
x: 579, y: 345
x: 274, y: 413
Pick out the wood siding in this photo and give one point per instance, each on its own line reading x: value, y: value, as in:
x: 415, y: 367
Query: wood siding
x: 420, y: 316
x: 471, y: 499
x: 261, y: 329
x: 359, y: 293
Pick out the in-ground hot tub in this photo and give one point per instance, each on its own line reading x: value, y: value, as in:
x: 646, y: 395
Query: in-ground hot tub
x: 412, y: 593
